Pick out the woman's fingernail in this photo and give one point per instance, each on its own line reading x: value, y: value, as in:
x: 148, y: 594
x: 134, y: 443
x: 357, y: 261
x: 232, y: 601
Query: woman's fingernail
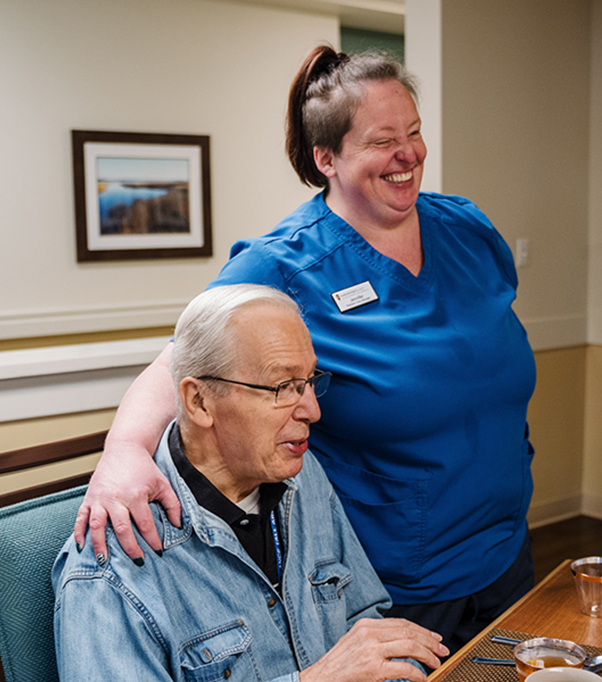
x: 101, y: 558
x: 159, y: 552
x: 139, y: 561
x: 78, y: 547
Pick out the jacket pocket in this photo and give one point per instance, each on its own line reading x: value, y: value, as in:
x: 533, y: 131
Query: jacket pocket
x: 388, y: 515
x: 328, y: 580
x: 220, y: 654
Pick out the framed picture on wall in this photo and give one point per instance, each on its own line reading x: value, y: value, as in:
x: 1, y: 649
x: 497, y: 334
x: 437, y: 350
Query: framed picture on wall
x: 141, y: 195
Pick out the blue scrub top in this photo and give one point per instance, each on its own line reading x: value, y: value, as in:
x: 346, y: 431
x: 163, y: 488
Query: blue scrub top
x: 423, y: 430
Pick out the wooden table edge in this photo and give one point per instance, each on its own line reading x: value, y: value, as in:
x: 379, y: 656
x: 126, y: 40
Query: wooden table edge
x: 455, y: 659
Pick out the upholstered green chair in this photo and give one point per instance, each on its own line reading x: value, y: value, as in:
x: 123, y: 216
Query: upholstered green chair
x: 31, y: 535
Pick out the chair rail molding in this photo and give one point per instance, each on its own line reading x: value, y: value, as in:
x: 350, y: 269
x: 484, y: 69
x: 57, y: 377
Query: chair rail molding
x: 30, y: 322
x: 556, y: 331
x: 43, y: 382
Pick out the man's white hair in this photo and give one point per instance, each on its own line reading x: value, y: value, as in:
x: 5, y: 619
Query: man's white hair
x: 204, y: 341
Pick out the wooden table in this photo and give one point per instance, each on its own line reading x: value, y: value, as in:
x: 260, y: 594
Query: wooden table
x: 550, y: 609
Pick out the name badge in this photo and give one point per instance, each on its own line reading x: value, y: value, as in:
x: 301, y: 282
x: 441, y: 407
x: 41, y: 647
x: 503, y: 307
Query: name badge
x: 354, y: 297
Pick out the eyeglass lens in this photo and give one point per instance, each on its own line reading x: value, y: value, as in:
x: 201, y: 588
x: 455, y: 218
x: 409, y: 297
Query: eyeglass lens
x: 291, y: 391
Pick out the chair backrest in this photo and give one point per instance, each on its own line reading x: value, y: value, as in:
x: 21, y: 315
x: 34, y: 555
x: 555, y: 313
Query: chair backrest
x: 48, y: 453
x: 31, y: 535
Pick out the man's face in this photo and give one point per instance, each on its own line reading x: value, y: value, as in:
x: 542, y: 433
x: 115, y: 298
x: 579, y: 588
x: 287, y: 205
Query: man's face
x: 258, y: 440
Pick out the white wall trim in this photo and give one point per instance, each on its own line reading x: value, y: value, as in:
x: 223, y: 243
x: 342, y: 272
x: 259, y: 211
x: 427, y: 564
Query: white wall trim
x: 594, y: 280
x: 561, y: 331
x: 567, y: 508
x: 552, y: 512
x: 15, y: 324
x: 544, y: 333
x: 594, y: 326
x: 423, y: 58
x: 81, y: 377
x: 592, y: 506
x: 55, y: 360
x: 43, y: 382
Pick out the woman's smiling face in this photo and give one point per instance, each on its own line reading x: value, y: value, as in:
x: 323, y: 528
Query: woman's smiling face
x: 376, y: 175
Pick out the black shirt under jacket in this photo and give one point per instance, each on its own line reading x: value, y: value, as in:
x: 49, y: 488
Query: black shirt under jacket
x: 254, y: 531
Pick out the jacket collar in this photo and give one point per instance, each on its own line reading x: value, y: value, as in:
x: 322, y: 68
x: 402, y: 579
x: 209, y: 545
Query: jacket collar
x: 196, y: 519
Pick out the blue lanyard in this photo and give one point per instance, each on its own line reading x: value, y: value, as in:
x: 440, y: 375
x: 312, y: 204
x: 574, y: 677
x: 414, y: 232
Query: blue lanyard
x: 276, y: 545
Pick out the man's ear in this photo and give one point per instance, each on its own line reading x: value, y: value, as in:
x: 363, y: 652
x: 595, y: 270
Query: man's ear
x: 197, y: 402
x: 324, y: 160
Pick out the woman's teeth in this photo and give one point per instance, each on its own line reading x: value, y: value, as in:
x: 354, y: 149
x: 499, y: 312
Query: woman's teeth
x: 398, y: 177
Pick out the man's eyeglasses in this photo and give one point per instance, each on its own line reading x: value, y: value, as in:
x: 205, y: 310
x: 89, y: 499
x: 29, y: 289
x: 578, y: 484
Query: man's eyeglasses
x: 287, y: 392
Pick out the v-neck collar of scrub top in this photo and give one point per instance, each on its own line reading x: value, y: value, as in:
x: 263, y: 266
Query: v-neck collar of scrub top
x: 388, y: 266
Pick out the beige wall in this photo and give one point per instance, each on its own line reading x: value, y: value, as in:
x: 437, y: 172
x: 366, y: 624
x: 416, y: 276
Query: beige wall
x: 556, y: 421
x: 516, y: 140
x: 515, y: 137
x: 186, y: 66
x: 520, y: 136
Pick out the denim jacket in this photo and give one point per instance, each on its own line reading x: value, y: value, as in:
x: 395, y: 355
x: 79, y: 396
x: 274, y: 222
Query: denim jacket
x: 204, y: 611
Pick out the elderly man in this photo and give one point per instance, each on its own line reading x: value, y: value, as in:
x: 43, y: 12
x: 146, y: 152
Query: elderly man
x: 265, y: 579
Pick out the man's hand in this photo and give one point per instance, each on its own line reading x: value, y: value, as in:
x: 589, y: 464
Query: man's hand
x: 122, y: 486
x: 367, y: 652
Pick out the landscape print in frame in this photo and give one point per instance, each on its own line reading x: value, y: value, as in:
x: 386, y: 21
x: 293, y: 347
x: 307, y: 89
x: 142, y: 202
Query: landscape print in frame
x: 141, y: 195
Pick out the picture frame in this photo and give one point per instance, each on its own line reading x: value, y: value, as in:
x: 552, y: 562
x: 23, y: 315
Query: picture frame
x: 141, y: 195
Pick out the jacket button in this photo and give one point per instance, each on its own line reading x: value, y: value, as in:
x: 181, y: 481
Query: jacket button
x: 227, y: 673
x: 272, y: 602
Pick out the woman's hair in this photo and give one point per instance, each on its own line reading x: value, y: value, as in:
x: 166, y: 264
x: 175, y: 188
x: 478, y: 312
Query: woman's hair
x: 204, y: 343
x: 324, y: 97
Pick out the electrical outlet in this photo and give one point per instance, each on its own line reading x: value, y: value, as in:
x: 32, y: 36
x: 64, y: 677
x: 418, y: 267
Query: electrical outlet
x: 522, y: 252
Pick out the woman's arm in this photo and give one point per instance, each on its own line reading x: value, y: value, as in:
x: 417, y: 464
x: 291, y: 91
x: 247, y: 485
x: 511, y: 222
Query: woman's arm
x: 126, y: 478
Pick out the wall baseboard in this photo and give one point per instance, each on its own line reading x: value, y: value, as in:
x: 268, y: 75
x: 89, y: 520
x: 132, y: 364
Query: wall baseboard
x: 568, y: 508
x: 552, y: 512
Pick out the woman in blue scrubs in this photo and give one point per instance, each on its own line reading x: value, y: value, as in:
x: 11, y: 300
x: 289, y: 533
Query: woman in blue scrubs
x: 408, y: 297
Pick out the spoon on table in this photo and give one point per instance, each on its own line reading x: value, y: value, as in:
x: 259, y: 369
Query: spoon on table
x: 592, y: 663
